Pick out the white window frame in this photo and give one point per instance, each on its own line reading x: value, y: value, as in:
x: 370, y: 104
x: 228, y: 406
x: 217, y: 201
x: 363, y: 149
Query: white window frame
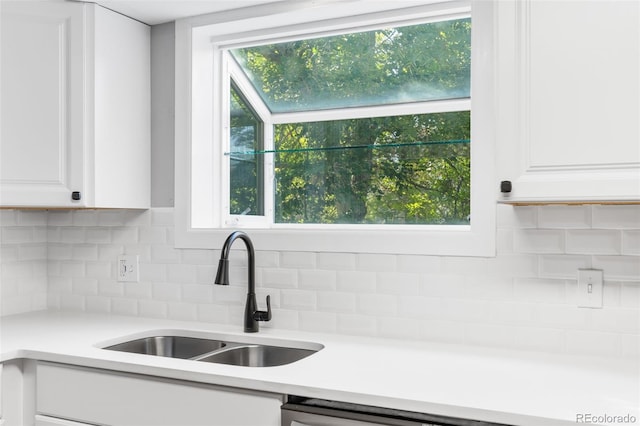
x: 200, y: 165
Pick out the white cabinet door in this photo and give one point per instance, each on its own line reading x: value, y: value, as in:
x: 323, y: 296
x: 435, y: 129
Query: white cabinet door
x: 41, y: 146
x: 568, y: 99
x: 119, y: 399
x: 75, y: 95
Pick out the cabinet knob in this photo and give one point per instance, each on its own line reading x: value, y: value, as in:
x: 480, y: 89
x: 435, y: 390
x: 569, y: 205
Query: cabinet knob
x: 505, y: 186
x: 76, y: 196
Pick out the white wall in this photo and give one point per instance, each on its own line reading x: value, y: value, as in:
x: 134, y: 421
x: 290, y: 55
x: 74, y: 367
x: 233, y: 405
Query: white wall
x: 524, y: 298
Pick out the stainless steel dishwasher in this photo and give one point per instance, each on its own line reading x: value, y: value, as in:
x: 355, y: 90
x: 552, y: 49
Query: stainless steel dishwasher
x: 299, y: 411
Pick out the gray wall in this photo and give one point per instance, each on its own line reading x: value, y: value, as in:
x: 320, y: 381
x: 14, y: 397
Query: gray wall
x: 162, y: 114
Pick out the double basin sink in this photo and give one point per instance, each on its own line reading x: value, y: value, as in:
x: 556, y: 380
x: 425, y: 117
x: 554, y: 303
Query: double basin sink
x: 221, y: 351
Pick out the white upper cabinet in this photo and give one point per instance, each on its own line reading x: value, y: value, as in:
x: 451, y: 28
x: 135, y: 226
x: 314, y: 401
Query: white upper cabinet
x: 75, y: 129
x: 568, y: 100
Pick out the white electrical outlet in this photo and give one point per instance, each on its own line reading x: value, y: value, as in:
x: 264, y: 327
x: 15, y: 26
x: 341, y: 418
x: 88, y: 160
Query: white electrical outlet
x: 589, y: 288
x: 128, y: 268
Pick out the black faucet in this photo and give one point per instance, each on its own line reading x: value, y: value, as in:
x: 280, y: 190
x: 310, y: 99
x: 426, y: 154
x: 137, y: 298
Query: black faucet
x: 251, y: 313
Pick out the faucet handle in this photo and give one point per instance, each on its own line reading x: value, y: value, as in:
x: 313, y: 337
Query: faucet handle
x: 264, y: 315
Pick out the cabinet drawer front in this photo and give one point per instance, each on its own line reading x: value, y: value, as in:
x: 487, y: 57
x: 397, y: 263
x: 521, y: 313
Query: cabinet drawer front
x: 112, y: 398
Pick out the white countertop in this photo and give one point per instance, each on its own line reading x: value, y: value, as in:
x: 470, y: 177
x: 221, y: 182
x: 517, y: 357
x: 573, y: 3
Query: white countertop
x: 512, y: 387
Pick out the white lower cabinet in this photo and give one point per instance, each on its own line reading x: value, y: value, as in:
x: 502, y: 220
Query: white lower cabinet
x: 72, y: 396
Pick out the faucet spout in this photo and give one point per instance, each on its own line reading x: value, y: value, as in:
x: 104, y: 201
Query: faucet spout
x: 251, y: 313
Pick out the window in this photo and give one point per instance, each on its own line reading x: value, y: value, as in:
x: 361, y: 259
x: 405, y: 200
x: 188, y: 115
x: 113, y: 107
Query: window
x: 349, y: 133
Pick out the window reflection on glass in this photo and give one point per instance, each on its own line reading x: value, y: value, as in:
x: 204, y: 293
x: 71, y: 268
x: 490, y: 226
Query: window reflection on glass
x: 384, y: 168
x: 387, y: 66
x: 246, y: 167
x: 412, y: 169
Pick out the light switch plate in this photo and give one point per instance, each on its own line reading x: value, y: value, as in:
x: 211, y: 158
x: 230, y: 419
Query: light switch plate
x: 589, y: 288
x: 128, y: 268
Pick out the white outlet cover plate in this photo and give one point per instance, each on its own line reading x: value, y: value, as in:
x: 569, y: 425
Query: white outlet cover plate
x: 590, y: 288
x: 127, y: 268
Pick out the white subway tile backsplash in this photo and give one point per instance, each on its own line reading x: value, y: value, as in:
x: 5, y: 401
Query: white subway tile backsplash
x: 8, y: 217
x: 333, y: 301
x: 280, y: 278
x: 153, y: 308
x: 616, y: 217
x: 564, y: 217
x: 143, y: 290
x: 170, y: 292
x: 295, y: 259
x: 630, y: 345
x: 149, y: 235
x: 98, y: 304
x: 16, y: 235
x: 513, y: 265
x: 377, y: 304
x: 540, y: 290
x: 84, y: 286
x: 182, y: 311
x: 110, y: 288
x: 197, y: 293
x: 361, y: 325
x: 539, y: 339
x: 73, y: 302
x: 465, y: 265
x: 356, y: 281
x: 397, y: 283
x: 298, y: 299
x: 123, y: 306
x: 503, y: 336
x: 31, y: 218
x: 323, y: 322
x: 523, y: 298
x: 443, y: 285
x: 124, y: 235
x: 398, y: 328
x: 419, y: 307
x: 562, y: 316
x: 630, y: 294
x: 98, y: 235
x: 516, y: 217
x: 267, y: 259
x: 489, y: 287
x: 562, y: 266
x: 594, y: 241
x: 212, y: 313
x: 181, y: 273
x: 313, y: 279
x: 419, y: 264
x: 620, y: 320
x: 162, y: 217
x: 443, y: 330
x: 84, y: 218
x: 336, y: 261
x: 631, y: 242
x: 623, y: 268
x: 86, y: 252
x: 539, y: 241
x: 376, y: 262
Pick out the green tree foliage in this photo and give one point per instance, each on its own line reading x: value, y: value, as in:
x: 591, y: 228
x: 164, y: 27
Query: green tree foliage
x: 396, y: 169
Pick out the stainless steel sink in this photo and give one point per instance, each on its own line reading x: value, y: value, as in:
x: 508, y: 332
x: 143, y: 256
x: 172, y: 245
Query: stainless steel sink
x: 257, y: 355
x: 169, y: 346
x: 221, y: 351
